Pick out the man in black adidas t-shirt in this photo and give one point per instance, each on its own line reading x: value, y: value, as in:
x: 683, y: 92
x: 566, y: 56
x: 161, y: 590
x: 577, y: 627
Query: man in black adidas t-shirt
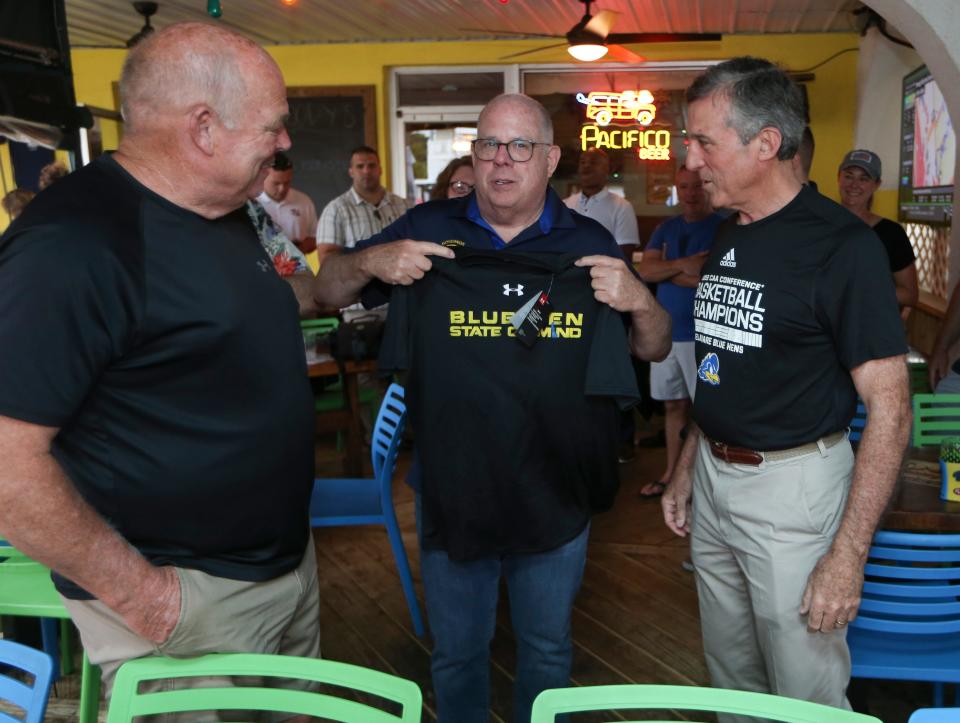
x: 794, y: 316
x: 505, y: 497
x: 155, y: 412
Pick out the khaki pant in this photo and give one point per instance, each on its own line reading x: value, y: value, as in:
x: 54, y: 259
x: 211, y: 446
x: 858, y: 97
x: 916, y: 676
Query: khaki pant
x: 217, y: 615
x: 757, y: 533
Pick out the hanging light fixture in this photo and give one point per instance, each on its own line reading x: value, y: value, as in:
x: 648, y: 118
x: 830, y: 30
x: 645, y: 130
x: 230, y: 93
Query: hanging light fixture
x: 146, y: 9
x: 587, y: 51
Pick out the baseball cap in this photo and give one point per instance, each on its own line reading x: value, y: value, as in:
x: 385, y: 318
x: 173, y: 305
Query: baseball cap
x: 867, y: 160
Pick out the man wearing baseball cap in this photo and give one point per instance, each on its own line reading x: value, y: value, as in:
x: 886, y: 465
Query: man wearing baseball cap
x: 858, y: 178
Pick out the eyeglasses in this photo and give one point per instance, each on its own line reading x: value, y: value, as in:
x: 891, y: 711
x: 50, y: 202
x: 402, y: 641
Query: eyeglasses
x: 461, y: 187
x: 519, y: 150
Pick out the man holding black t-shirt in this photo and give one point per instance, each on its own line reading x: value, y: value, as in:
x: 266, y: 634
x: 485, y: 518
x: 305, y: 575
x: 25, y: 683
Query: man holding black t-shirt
x: 795, y: 315
x: 150, y: 458
x: 508, y: 471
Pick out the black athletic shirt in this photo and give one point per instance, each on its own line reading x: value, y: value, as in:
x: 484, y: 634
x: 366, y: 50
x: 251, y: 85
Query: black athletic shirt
x: 518, y: 445
x: 896, y: 242
x: 786, y: 307
x: 168, y: 353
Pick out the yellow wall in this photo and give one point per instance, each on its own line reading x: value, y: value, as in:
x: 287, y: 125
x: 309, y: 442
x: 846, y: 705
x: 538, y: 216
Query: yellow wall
x: 8, y: 177
x: 832, y: 94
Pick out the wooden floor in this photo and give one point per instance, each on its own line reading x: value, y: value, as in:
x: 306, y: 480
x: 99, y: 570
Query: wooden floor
x: 635, y: 620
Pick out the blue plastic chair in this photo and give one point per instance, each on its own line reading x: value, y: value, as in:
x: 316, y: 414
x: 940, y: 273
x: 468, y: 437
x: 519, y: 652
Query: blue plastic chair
x: 935, y: 715
x: 30, y: 698
x: 908, y: 626
x: 858, y: 422
x: 352, y: 501
x: 26, y: 590
x: 54, y: 636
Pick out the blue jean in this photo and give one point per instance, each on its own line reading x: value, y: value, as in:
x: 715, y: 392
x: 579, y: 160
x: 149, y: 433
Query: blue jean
x: 461, y: 601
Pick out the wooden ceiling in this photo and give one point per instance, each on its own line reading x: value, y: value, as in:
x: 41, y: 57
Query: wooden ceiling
x: 108, y: 23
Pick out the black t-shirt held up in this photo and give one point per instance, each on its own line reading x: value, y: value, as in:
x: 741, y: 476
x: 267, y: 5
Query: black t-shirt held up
x: 787, y: 306
x: 168, y: 353
x: 517, y: 444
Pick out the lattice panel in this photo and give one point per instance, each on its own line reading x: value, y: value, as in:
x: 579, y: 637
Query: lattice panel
x: 931, y: 244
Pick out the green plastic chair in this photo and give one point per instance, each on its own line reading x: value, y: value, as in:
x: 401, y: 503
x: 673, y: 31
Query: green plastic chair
x: 27, y: 590
x: 935, y: 417
x: 551, y: 703
x: 127, y: 702
x: 919, y: 374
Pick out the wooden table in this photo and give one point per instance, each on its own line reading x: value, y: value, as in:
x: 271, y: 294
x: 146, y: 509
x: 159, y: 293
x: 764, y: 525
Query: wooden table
x: 347, y: 418
x: 916, y: 504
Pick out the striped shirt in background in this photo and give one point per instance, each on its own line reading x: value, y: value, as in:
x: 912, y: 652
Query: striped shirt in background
x: 348, y: 219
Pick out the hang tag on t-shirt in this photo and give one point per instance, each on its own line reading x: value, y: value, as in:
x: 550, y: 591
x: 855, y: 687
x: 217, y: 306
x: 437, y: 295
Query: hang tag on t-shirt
x: 531, y: 318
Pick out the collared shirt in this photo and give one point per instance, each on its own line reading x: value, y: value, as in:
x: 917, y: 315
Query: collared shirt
x: 348, y: 218
x: 613, y: 212
x: 544, y: 223
x: 295, y: 215
x: 287, y: 258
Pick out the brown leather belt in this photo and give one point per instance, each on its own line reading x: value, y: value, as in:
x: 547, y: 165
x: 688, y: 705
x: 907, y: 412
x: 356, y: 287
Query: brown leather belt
x: 741, y: 455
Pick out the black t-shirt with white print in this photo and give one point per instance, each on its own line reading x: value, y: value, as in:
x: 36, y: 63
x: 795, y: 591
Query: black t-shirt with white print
x: 787, y: 306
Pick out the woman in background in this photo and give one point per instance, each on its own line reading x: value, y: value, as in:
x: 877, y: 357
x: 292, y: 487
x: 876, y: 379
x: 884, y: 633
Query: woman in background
x: 858, y: 178
x: 454, y: 181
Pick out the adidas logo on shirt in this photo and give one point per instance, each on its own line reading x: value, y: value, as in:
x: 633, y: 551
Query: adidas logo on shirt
x: 729, y: 260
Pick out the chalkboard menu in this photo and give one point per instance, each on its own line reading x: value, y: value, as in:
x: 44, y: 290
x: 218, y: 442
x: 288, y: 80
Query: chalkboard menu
x: 325, y: 124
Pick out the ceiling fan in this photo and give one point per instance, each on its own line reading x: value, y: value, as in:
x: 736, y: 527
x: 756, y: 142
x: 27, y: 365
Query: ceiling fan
x: 146, y: 9
x: 591, y: 39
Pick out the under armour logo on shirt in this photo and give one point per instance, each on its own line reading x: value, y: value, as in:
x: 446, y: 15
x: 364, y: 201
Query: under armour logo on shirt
x: 264, y: 266
x: 507, y: 289
x: 729, y: 259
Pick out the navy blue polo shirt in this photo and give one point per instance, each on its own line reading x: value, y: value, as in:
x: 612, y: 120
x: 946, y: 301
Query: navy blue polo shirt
x: 449, y: 221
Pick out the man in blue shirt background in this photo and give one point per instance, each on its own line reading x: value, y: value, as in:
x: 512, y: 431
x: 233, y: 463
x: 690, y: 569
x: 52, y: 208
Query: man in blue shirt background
x: 672, y: 260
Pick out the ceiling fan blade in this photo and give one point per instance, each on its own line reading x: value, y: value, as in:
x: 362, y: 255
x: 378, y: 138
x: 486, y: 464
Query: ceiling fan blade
x: 602, y: 23
x: 622, y: 54
x: 535, y: 50
x: 490, y: 31
x: 661, y: 37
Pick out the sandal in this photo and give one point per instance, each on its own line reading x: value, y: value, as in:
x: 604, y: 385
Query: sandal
x: 657, y: 489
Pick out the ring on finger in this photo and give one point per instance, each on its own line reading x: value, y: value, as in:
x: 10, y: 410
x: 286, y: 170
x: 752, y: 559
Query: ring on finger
x: 840, y: 622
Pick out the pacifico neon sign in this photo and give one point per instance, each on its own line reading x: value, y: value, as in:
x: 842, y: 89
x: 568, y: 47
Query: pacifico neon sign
x: 633, y: 106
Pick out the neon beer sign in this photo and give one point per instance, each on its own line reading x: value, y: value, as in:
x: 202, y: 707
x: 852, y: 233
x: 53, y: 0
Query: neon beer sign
x: 631, y: 108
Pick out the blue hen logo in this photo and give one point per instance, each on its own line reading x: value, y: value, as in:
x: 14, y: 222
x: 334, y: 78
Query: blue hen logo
x: 709, y: 369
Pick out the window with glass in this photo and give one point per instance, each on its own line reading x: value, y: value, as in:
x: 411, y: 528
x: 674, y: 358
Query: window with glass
x: 637, y: 117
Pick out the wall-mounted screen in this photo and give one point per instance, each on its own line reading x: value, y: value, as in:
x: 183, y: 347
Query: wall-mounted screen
x: 928, y: 152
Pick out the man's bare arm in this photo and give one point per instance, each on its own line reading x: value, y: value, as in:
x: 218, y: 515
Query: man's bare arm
x: 342, y: 276
x: 677, y: 498
x: 654, y: 268
x: 907, y: 287
x: 302, y: 285
x: 42, y: 515
x: 834, y: 587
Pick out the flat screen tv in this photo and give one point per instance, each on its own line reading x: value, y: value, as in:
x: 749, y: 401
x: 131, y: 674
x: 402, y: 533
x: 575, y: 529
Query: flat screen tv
x: 928, y: 152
